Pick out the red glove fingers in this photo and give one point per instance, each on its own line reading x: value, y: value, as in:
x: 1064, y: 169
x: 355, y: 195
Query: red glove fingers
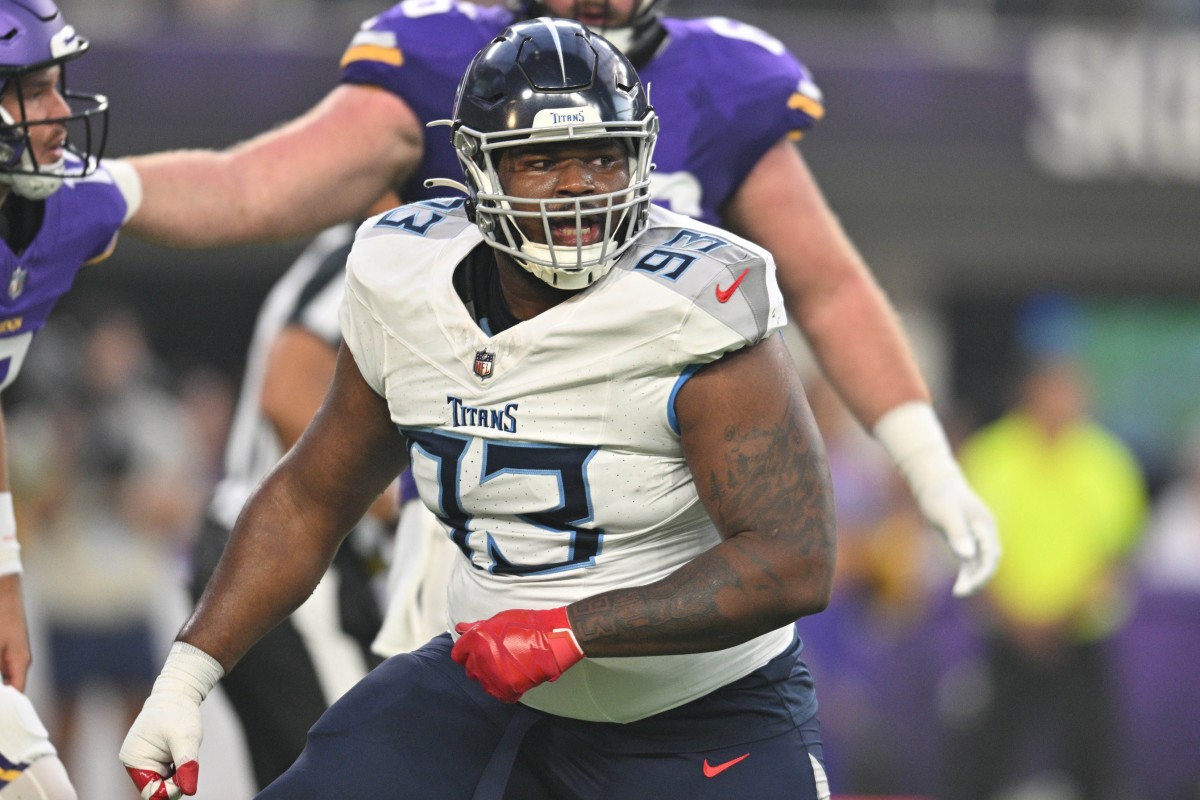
x: 516, y: 650
x: 153, y: 786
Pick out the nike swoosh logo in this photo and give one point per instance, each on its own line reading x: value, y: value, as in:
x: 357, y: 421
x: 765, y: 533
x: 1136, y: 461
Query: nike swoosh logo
x: 723, y: 295
x: 709, y: 770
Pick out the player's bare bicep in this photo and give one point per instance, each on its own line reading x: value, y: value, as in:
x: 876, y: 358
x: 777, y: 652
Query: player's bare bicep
x: 754, y: 448
x: 356, y: 450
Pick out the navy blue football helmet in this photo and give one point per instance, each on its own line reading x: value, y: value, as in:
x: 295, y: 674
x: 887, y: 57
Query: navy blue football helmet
x: 553, y: 80
x: 33, y: 37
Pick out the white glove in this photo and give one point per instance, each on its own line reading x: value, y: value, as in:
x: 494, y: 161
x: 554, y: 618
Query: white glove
x: 914, y: 439
x: 161, y: 749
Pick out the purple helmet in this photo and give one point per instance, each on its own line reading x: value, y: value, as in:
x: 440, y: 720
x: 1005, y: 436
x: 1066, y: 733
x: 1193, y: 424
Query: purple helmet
x: 34, y: 37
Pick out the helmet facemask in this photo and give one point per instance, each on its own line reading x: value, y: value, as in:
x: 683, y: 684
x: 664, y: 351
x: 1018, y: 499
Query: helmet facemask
x: 553, y: 82
x: 621, y: 214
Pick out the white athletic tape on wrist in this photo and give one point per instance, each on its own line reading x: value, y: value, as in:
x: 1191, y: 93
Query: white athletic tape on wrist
x: 189, y: 671
x: 913, y: 436
x: 10, y: 548
x: 126, y: 176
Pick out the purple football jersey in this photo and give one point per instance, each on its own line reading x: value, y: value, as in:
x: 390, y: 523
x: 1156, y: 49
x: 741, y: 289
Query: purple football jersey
x: 80, y: 226
x: 725, y: 92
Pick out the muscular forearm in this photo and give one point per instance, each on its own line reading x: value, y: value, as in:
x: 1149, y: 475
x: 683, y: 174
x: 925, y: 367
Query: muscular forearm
x: 326, y: 166
x: 829, y: 290
x: 201, y: 198
x: 288, y: 532
x: 729, y: 595
x: 860, y: 345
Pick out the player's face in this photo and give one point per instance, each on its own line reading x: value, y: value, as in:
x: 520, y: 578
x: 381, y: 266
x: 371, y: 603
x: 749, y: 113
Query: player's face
x: 595, y: 13
x: 42, y: 101
x: 570, y: 170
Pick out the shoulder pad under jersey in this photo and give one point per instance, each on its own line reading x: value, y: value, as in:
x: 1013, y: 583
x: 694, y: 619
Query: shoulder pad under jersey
x: 724, y: 276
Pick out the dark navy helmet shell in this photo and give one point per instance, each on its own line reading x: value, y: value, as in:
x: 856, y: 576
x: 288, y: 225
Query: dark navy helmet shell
x: 542, y: 65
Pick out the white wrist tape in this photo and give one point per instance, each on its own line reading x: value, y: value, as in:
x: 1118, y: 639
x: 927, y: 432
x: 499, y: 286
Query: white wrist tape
x: 914, y: 438
x: 189, y: 671
x: 126, y: 176
x: 10, y: 548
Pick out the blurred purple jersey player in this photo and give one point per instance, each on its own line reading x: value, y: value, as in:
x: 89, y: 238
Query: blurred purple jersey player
x: 716, y: 122
x: 60, y: 209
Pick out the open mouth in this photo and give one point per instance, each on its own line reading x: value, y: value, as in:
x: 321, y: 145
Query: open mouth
x: 569, y: 234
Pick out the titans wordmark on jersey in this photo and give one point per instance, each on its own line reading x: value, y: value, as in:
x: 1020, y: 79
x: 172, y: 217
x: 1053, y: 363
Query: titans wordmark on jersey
x: 559, y: 473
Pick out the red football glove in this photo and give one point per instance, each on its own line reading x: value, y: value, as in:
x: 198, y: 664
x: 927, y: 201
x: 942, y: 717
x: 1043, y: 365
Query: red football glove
x: 153, y: 786
x: 516, y: 650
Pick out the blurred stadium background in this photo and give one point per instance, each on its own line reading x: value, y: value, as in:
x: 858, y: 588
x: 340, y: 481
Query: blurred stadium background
x: 1019, y: 174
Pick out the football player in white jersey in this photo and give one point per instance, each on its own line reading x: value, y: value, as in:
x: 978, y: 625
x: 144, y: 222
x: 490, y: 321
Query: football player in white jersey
x: 399, y: 72
x: 368, y: 136
x: 595, y: 400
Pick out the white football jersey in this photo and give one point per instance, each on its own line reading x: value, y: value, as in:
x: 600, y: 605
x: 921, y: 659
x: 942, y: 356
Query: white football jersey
x: 550, y: 450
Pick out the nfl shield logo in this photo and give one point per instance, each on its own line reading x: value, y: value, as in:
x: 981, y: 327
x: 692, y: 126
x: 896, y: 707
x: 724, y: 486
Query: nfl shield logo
x: 16, y: 284
x: 484, y: 363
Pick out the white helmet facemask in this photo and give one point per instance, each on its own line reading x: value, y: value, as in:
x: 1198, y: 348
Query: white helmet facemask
x: 552, y: 82
x: 620, y: 215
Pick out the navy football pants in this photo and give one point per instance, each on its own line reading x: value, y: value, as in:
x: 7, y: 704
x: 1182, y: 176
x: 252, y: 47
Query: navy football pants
x: 417, y: 728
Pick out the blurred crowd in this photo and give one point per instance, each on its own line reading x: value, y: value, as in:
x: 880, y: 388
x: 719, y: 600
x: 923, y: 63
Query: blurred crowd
x: 1075, y: 665
x: 1068, y: 678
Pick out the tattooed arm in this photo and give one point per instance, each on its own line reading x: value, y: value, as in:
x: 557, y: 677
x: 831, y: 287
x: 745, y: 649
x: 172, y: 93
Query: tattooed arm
x: 759, y: 466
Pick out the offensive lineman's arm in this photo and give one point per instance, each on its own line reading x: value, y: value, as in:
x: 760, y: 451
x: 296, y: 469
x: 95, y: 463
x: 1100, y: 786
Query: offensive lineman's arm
x: 326, y: 166
x: 280, y: 547
x: 759, y: 466
x: 857, y: 339
x: 829, y: 291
